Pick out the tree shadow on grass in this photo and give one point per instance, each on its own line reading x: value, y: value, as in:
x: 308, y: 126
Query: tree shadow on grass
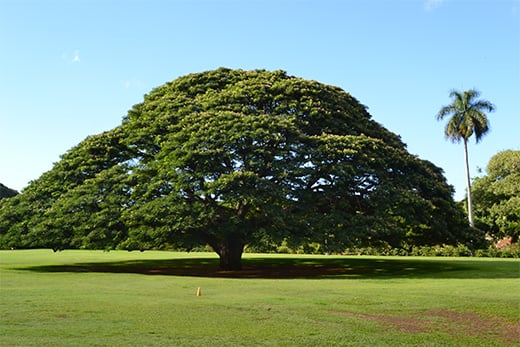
x: 319, y: 267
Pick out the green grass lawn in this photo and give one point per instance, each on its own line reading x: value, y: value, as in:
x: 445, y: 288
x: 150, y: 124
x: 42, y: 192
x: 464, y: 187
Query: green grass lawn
x: 95, y: 298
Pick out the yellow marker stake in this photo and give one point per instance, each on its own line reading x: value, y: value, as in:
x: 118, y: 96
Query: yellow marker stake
x: 199, y: 292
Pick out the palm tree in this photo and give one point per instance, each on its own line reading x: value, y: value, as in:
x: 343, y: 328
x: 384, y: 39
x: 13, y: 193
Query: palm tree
x: 468, y: 117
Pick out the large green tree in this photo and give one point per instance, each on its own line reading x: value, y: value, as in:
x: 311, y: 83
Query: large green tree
x: 497, y: 196
x: 468, y: 117
x: 230, y: 158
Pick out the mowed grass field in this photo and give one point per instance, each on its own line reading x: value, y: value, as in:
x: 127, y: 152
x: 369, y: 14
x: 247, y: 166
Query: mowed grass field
x: 95, y: 298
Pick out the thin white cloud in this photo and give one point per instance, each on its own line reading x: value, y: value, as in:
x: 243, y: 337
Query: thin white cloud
x: 71, y: 58
x: 132, y: 83
x: 430, y: 5
x: 76, y: 58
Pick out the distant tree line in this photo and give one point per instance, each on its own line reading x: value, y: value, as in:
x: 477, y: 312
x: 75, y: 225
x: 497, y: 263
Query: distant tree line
x: 497, y: 196
x: 6, y: 192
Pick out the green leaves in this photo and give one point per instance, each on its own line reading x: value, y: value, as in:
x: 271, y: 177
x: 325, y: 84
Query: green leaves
x: 468, y: 116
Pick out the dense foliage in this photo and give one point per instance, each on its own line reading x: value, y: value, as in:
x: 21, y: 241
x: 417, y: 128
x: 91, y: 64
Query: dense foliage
x: 497, y: 196
x: 231, y: 158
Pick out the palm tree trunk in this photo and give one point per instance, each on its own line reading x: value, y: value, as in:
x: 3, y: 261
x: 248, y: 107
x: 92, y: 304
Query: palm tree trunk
x: 468, y: 186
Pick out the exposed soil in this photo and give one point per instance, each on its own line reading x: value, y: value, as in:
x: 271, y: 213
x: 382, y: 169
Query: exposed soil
x: 449, y: 322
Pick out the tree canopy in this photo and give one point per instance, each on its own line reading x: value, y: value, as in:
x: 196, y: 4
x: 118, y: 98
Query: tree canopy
x: 233, y: 158
x: 497, y: 196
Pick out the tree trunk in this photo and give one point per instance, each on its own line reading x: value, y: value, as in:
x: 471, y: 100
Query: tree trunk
x: 468, y: 186
x: 230, y: 252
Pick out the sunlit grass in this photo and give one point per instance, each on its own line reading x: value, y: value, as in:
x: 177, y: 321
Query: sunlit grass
x: 94, y: 298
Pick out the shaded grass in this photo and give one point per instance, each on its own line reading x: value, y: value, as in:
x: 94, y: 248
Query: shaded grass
x: 275, y: 266
x: 78, y: 298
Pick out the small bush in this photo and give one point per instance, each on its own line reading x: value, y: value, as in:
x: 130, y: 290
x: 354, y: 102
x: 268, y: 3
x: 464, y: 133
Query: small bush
x: 511, y: 251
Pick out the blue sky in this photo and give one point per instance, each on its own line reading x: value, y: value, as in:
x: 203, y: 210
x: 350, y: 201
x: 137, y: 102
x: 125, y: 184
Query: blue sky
x: 69, y: 69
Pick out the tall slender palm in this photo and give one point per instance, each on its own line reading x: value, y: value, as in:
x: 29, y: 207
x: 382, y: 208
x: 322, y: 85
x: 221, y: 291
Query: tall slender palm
x: 468, y: 117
